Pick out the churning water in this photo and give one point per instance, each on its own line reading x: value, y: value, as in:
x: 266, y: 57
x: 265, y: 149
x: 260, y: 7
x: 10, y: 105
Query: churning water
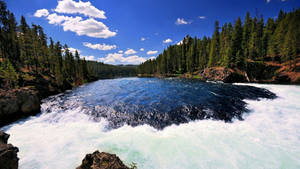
x: 165, y: 124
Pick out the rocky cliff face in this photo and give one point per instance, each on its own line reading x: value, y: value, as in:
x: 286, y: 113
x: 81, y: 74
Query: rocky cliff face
x: 102, y: 160
x: 18, y: 103
x: 223, y: 74
x: 8, y: 153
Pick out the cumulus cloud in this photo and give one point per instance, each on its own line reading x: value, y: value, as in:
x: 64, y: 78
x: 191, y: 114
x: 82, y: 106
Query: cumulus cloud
x: 181, y: 21
x: 142, y: 49
x: 179, y: 43
x: 89, y: 27
x: 99, y: 46
x: 85, y: 8
x: 120, y: 51
x: 59, y: 19
x: 202, y: 17
x: 91, y: 58
x: 130, y: 52
x: 118, y: 58
x: 143, y: 39
x: 72, y: 50
x: 167, y: 40
x: 41, y: 12
x: 152, y: 52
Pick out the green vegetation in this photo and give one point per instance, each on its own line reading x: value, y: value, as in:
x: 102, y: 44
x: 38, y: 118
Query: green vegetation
x: 25, y: 54
x: 234, y: 46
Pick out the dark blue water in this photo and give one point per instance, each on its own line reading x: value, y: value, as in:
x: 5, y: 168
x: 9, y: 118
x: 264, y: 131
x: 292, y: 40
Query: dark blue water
x: 158, y: 102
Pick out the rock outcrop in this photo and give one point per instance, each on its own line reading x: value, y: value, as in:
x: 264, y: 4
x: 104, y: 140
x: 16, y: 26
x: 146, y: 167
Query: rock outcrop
x: 18, y: 103
x: 102, y: 160
x: 8, y: 153
x: 223, y: 74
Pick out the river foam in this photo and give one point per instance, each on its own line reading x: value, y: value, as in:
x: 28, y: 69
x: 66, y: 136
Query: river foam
x: 268, y: 138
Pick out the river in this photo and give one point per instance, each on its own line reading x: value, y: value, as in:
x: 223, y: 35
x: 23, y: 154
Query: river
x: 165, y: 124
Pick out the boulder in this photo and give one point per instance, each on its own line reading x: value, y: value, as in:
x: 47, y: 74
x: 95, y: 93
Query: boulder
x: 102, y: 160
x: 18, y: 103
x: 8, y: 153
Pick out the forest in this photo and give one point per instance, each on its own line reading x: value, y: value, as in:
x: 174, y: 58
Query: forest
x: 26, y: 54
x: 233, y: 46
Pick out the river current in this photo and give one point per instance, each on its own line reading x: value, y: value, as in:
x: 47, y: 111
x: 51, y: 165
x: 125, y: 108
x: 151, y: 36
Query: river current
x: 165, y: 124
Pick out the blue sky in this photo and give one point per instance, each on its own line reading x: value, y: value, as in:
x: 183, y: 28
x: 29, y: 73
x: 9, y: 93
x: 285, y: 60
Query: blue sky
x: 132, y: 31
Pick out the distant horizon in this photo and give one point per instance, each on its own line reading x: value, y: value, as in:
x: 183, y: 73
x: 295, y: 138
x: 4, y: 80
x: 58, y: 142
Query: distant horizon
x: 123, y: 33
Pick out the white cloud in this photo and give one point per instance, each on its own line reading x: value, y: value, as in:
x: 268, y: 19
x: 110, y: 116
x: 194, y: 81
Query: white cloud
x: 89, y: 27
x: 72, y: 50
x: 92, y: 58
x: 181, y: 21
x: 143, y: 39
x: 179, y: 43
x: 130, y: 52
x: 167, y: 40
x: 73, y: 7
x: 202, y: 17
x: 118, y: 58
x: 152, y: 52
x: 57, y: 19
x: 99, y: 46
x: 142, y: 49
x: 120, y: 51
x: 41, y: 12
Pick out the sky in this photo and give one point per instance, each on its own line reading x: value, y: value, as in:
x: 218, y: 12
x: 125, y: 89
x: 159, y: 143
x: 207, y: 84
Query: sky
x: 133, y: 31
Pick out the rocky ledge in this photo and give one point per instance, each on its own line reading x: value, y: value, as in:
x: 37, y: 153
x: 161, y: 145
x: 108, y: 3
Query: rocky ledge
x: 102, y: 160
x: 8, y: 153
x: 18, y: 103
x: 223, y: 74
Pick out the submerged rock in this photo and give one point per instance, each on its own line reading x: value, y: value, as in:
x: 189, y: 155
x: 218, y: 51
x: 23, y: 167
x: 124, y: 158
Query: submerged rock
x: 18, y: 103
x: 102, y: 160
x: 8, y: 153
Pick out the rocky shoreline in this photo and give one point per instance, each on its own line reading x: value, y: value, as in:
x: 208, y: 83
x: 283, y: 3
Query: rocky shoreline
x: 18, y: 103
x: 8, y: 153
x: 272, y: 74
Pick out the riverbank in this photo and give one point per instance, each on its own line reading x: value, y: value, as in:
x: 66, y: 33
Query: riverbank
x: 256, y: 72
x: 8, y: 153
x: 21, y: 102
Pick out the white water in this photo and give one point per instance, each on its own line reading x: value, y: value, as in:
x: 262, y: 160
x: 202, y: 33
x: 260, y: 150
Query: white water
x: 268, y: 138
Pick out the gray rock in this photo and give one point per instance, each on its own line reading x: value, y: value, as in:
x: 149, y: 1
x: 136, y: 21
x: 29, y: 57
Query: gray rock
x: 102, y: 160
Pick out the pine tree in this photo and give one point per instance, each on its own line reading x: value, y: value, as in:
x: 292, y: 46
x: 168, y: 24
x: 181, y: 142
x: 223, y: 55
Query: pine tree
x: 215, y: 47
x: 246, y: 35
x: 236, y: 42
x: 8, y: 73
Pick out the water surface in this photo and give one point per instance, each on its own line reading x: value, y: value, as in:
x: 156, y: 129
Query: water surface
x: 165, y: 123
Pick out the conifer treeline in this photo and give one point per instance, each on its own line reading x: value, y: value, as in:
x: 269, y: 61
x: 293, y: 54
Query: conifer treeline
x: 25, y: 54
x: 233, y: 46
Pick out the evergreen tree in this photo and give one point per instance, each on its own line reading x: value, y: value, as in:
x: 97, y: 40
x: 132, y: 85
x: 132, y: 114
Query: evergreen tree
x: 215, y: 47
x: 246, y: 35
x: 235, y: 48
x: 8, y: 73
